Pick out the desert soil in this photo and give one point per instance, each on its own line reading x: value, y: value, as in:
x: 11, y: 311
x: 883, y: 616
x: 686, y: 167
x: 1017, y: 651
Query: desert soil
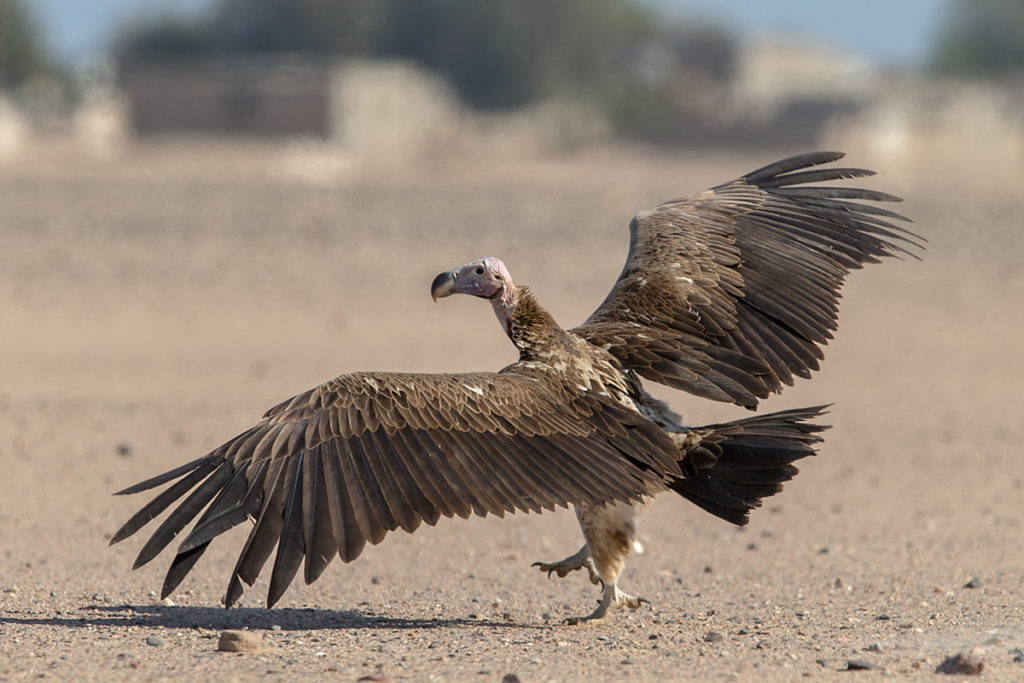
x: 153, y: 306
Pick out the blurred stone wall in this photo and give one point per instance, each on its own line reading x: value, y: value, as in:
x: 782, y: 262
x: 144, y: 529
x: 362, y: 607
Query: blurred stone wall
x: 392, y: 110
x: 14, y: 131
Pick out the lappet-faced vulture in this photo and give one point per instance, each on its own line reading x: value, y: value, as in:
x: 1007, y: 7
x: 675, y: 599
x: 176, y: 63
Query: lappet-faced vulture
x: 726, y: 294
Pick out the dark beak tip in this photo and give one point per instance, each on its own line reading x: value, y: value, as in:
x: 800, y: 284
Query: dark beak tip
x: 442, y: 286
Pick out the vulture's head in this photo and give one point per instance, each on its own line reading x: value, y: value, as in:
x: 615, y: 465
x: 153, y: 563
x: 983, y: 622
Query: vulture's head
x: 487, y: 278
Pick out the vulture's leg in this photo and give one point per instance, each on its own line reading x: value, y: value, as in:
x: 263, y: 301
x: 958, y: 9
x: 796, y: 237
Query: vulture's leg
x: 578, y: 560
x: 609, y: 531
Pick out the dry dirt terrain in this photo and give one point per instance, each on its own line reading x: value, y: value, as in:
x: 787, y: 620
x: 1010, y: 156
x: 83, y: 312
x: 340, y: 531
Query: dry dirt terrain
x: 155, y: 306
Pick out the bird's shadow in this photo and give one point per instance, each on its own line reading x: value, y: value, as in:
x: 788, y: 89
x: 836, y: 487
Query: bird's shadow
x: 218, y: 618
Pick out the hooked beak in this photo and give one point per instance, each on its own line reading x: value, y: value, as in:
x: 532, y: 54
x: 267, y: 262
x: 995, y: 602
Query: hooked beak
x: 443, y: 285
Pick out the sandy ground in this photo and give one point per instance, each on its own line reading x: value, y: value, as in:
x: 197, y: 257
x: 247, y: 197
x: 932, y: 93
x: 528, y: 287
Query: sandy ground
x: 153, y: 307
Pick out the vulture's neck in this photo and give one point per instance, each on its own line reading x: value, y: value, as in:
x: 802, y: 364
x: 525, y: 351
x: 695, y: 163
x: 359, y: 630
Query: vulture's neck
x: 532, y: 329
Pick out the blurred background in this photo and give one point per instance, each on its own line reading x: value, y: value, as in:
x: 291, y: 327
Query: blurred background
x: 402, y: 80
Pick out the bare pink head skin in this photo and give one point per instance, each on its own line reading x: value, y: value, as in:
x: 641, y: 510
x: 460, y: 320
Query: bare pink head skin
x: 487, y: 278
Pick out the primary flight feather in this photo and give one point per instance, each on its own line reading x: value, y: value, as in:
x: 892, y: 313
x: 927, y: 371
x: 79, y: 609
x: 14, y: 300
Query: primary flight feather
x: 726, y: 294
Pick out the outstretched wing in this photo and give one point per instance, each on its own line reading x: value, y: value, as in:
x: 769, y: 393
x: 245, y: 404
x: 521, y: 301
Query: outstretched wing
x: 729, y: 293
x: 367, y: 453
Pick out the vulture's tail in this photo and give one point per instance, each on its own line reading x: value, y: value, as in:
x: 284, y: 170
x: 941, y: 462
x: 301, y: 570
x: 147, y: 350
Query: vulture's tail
x: 730, y: 467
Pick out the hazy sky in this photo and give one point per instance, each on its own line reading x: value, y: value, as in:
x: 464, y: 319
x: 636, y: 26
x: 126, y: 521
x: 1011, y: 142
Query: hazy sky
x: 885, y: 31
x: 897, y: 32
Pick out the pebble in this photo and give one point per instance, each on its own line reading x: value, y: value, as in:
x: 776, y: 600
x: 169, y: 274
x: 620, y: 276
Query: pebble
x: 1018, y: 655
x: 510, y: 678
x: 239, y: 641
x: 964, y: 663
x: 155, y: 641
x: 713, y: 637
x: 861, y: 665
x: 874, y: 647
x: 973, y: 583
x: 124, y: 449
x: 275, y: 627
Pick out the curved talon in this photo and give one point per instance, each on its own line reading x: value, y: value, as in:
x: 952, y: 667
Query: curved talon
x: 544, y: 567
x: 549, y: 568
x: 578, y: 560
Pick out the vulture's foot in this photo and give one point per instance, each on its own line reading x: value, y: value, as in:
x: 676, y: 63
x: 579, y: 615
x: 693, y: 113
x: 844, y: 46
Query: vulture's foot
x: 611, y: 599
x: 579, y: 560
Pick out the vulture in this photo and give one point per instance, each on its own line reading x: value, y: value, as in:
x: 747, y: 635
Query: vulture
x: 727, y: 294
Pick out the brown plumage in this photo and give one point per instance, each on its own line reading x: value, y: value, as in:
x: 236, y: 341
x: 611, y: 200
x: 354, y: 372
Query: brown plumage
x: 727, y: 295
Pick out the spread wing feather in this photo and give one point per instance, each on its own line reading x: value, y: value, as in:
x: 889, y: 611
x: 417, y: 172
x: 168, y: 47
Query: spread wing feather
x: 731, y: 292
x: 343, y: 464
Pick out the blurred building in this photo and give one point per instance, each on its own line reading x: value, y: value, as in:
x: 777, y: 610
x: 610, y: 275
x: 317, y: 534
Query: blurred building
x: 252, y: 96
x: 788, y: 92
x: 772, y: 75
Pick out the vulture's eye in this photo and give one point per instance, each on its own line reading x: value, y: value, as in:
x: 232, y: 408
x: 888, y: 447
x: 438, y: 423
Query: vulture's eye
x: 479, y: 271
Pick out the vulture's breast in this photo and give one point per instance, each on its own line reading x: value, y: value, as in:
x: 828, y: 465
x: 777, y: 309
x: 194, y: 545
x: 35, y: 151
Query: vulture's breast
x: 594, y: 370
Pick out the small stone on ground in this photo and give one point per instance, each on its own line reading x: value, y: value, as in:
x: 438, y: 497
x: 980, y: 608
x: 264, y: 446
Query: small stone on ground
x: 239, y: 641
x: 964, y: 664
x: 861, y: 665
